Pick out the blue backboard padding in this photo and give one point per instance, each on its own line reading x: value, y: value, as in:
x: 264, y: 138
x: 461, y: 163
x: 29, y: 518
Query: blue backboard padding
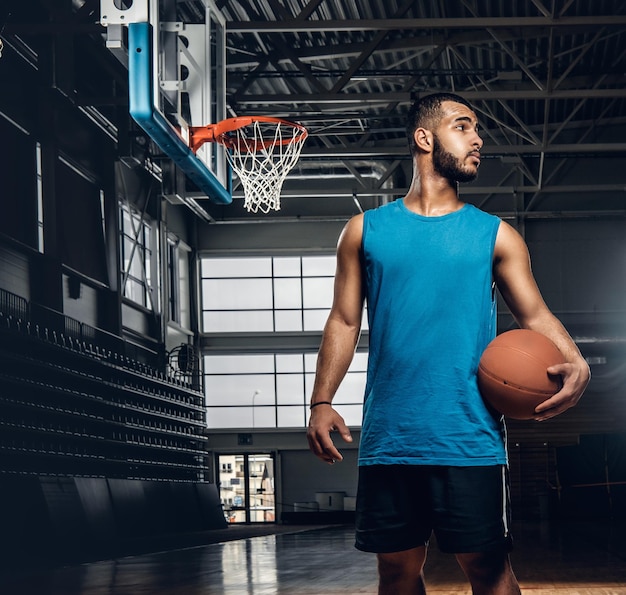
x: 144, y: 112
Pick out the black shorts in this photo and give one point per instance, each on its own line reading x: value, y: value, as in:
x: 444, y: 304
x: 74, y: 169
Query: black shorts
x: 399, y: 507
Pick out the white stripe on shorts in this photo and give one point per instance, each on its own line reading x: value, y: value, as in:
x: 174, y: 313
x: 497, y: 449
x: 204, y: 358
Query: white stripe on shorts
x: 505, y: 501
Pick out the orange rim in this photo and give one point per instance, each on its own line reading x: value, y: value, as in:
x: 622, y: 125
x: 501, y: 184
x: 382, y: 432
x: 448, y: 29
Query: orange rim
x: 218, y: 133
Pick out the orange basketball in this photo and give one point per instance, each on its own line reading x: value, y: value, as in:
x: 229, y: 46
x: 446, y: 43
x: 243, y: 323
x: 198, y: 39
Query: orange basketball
x: 512, y: 374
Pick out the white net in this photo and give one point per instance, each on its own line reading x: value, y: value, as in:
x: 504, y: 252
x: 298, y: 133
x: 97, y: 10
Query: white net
x: 262, y: 154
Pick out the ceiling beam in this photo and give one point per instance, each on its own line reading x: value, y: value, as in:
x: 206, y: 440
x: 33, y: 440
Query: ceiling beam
x: 465, y: 189
x: 404, y: 97
x: 492, y: 150
x: 402, y: 24
x: 412, y: 43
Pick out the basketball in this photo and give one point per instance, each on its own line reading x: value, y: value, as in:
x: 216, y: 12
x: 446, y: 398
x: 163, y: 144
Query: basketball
x: 512, y: 374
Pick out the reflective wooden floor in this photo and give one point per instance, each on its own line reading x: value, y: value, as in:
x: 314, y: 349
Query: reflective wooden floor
x: 583, y: 558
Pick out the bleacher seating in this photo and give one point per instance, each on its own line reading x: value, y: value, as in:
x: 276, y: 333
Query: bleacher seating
x: 72, y: 406
x: 100, y: 448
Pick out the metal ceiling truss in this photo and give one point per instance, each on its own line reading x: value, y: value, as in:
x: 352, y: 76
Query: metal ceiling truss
x: 546, y: 78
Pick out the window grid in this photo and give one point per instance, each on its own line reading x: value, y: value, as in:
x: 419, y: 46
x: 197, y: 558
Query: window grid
x: 256, y: 302
x: 245, y: 295
x: 173, y: 275
x: 40, y: 222
x: 136, y: 256
x: 269, y: 396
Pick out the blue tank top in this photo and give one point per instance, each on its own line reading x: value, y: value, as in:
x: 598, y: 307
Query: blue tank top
x: 431, y: 313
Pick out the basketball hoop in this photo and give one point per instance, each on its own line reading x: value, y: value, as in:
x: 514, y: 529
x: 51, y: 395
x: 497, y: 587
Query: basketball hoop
x: 262, y: 150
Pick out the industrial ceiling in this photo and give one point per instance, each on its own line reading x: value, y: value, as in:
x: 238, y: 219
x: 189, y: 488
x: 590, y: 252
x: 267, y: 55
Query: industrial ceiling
x: 546, y: 78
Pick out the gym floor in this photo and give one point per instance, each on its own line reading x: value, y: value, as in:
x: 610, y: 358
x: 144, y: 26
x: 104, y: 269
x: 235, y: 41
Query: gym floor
x: 581, y: 558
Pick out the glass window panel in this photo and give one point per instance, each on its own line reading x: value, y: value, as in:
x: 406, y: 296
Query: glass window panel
x: 264, y: 417
x: 290, y: 389
x: 359, y: 362
x: 317, y: 292
x: 351, y: 389
x: 265, y: 396
x: 291, y: 417
x: 246, y: 299
x: 136, y: 269
x: 314, y: 320
x: 236, y: 267
x: 136, y: 256
x: 240, y: 390
x: 288, y: 320
x: 126, y: 221
x: 364, y: 323
x: 146, y: 238
x: 309, y: 379
x: 289, y: 362
x: 238, y: 364
x: 184, y: 302
x: 310, y: 362
x: 135, y: 291
x: 287, y: 267
x: 287, y: 293
x: 229, y: 417
x: 318, y: 266
x: 232, y: 322
x: 236, y: 294
x: 352, y: 414
x: 127, y: 247
x: 244, y: 417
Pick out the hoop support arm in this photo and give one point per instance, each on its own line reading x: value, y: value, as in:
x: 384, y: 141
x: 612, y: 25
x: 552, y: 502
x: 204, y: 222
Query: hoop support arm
x: 198, y: 135
x: 158, y: 128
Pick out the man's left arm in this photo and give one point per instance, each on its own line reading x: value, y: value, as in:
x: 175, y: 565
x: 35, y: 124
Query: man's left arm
x: 516, y: 283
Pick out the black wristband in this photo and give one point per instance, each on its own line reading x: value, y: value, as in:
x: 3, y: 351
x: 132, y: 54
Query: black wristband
x: 320, y: 403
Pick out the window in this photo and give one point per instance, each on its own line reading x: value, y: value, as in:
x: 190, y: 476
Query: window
x: 271, y: 295
x: 249, y: 497
x: 21, y: 169
x: 273, y: 390
x: 40, y: 235
x: 138, y: 258
x: 178, y: 281
x: 173, y: 277
x: 266, y: 294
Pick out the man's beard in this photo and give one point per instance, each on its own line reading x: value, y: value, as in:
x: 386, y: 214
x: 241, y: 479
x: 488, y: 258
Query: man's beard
x: 448, y: 166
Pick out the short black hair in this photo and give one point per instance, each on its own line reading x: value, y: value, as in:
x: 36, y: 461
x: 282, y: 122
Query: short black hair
x: 426, y: 113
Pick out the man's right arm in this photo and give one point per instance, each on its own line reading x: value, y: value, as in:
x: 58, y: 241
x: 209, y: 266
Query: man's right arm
x: 339, y: 341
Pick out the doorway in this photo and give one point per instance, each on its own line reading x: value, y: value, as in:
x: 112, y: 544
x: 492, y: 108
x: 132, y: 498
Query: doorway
x: 247, y: 487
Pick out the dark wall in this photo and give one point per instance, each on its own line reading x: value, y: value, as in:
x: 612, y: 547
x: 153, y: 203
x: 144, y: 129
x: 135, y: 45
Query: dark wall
x: 64, y: 519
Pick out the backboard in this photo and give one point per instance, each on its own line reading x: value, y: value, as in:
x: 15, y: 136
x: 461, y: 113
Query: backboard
x: 177, y: 79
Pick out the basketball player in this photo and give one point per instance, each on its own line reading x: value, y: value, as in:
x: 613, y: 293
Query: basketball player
x: 432, y: 458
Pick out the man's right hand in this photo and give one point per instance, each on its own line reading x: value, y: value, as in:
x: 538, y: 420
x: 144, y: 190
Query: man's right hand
x: 324, y: 420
